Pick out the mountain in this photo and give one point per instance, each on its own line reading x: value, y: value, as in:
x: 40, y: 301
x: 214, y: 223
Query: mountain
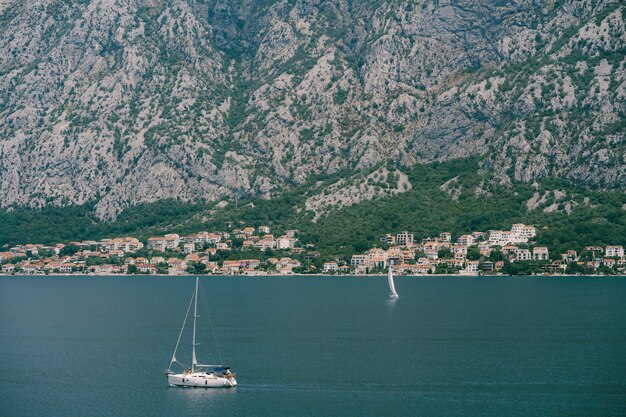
x: 120, y: 102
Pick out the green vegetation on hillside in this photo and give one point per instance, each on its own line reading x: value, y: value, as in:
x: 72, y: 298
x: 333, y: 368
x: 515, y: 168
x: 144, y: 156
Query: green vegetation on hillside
x: 426, y: 210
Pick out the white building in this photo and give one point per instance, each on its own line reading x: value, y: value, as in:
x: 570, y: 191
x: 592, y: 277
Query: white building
x: 330, y: 267
x: 172, y: 241
x: 431, y: 249
x: 614, y: 252
x: 445, y: 237
x: 157, y: 243
x: 523, y: 255
x: 167, y: 242
x: 524, y: 231
x: 285, y: 242
x: 495, y: 237
x: 126, y: 244
x: 189, y: 248
x: 519, y: 233
x: 357, y: 260
x: 459, y: 251
x: 388, y: 239
x: 540, y: 253
x: 466, y: 240
x: 222, y: 246
x: 404, y: 239
x: 471, y: 267
x: 265, y: 244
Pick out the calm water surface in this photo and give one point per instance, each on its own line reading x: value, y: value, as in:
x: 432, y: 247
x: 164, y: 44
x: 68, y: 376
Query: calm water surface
x: 311, y: 346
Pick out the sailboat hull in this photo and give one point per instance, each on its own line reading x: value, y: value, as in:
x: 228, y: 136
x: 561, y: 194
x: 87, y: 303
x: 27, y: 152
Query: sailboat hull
x: 201, y: 380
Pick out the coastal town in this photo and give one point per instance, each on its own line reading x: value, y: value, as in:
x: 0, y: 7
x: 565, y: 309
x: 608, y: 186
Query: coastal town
x: 256, y: 251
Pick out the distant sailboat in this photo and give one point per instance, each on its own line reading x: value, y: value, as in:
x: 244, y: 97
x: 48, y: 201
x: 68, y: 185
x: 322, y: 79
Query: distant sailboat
x: 393, y: 294
x: 199, y: 375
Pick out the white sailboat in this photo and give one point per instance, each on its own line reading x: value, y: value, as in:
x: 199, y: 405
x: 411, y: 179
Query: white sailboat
x: 392, y: 288
x: 198, y: 375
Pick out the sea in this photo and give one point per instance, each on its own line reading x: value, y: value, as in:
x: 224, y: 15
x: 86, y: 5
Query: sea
x: 316, y: 346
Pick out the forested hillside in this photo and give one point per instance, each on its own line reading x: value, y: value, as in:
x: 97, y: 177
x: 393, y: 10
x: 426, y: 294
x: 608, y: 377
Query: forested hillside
x: 566, y: 216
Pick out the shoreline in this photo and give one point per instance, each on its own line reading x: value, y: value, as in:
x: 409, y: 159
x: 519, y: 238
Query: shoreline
x: 83, y: 275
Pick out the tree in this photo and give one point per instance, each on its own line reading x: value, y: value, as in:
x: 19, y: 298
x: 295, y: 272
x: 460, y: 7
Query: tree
x: 196, y: 268
x: 445, y: 254
x: 496, y: 256
x: 69, y: 250
x: 361, y: 247
x: 162, y: 268
x: 473, y: 253
x: 95, y: 260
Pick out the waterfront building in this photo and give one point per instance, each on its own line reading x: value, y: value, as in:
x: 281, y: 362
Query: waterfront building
x: 330, y: 267
x: 147, y: 268
x: 471, y: 267
x: 358, y: 260
x: 487, y: 266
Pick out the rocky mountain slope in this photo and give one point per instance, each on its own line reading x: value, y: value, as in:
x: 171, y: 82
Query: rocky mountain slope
x: 126, y: 101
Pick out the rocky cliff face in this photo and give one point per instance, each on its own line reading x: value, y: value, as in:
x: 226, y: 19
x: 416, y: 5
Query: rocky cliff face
x: 121, y: 101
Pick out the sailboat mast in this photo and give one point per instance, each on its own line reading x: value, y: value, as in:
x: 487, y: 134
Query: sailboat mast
x: 193, y: 339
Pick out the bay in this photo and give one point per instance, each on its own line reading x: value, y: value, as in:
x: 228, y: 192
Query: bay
x: 311, y: 346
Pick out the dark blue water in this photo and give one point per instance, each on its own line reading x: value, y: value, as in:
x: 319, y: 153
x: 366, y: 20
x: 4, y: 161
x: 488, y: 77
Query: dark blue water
x: 318, y: 346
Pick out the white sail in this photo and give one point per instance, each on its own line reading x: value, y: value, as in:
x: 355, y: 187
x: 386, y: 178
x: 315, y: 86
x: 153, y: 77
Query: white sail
x: 174, y: 360
x: 392, y: 287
